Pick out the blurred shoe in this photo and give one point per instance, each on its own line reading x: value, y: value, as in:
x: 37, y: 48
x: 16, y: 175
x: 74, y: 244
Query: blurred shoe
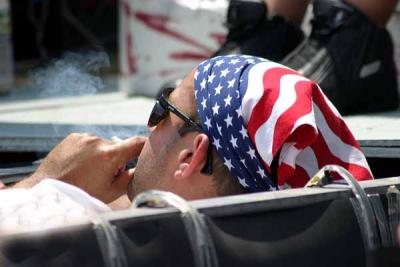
x: 251, y: 32
x: 350, y: 57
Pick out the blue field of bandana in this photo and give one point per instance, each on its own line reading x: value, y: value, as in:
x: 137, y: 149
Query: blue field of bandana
x: 220, y: 84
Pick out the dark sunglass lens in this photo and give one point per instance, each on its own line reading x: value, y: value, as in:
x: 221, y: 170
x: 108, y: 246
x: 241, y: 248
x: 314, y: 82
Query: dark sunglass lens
x: 157, y: 114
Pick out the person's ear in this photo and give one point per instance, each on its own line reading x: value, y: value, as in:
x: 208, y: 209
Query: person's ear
x: 191, y: 160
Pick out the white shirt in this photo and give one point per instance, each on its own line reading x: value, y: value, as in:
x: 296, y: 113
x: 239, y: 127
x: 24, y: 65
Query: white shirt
x: 50, y: 203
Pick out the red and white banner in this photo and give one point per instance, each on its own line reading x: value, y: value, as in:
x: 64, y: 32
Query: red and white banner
x: 162, y: 40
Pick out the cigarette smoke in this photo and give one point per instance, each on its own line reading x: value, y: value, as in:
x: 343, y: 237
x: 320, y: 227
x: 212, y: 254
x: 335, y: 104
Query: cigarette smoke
x: 78, y: 74
x: 74, y: 74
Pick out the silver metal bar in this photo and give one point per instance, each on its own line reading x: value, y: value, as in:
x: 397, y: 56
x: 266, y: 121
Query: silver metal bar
x: 381, y: 219
x: 109, y: 242
x: 265, y: 201
x: 200, y: 239
x: 393, y: 197
x: 251, y: 203
x: 362, y: 206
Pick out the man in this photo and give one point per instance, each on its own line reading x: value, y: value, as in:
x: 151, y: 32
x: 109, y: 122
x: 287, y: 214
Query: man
x: 235, y: 124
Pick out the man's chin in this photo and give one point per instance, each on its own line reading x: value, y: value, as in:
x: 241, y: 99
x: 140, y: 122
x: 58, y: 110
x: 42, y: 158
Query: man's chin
x: 135, y: 188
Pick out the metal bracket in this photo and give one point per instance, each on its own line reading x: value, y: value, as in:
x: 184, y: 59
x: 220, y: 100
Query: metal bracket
x: 381, y: 219
x: 362, y: 205
x: 393, y: 197
x: 108, y: 240
x: 202, y: 245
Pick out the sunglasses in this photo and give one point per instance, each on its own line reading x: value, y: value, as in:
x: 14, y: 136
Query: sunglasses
x: 160, y: 111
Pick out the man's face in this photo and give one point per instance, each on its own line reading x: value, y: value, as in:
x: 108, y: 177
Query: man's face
x: 159, y: 157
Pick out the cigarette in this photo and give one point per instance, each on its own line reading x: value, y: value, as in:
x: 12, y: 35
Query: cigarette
x: 116, y: 139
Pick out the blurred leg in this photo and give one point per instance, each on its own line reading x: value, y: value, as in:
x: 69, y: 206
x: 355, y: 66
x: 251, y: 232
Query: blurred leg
x: 292, y: 10
x: 379, y: 11
x: 258, y: 29
x: 350, y: 55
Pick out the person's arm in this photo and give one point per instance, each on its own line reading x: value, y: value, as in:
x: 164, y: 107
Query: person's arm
x: 91, y: 163
x: 377, y: 11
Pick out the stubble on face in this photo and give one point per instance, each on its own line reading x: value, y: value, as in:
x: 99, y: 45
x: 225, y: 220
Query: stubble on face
x: 156, y: 161
x: 151, y: 168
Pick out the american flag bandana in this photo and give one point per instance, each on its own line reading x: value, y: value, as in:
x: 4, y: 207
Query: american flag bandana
x: 257, y: 112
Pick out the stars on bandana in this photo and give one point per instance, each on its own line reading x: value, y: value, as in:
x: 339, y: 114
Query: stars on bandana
x: 239, y: 112
x: 220, y: 84
x: 231, y: 83
x: 203, y: 84
x: 215, y: 109
x: 224, y: 73
x: 228, y: 163
x: 208, y: 123
x: 243, y: 182
x: 261, y: 172
x: 252, y: 153
x: 250, y: 61
x: 238, y: 93
x: 228, y: 100
x: 243, y: 161
x: 218, y: 89
x: 243, y: 132
x: 211, y: 78
x: 204, y: 103
x: 219, y: 62
x: 233, y: 141
x: 238, y: 69
x: 234, y: 61
x: 228, y: 121
x: 206, y: 67
x: 219, y: 128
x: 217, y: 144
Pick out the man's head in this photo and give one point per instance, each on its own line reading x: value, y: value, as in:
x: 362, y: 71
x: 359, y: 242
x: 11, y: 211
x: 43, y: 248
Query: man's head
x: 268, y: 125
x: 174, y: 155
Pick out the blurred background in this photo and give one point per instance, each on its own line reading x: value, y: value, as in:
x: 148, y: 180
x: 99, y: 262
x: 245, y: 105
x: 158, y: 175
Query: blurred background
x: 41, y: 30
x: 145, y: 43
x: 56, y: 49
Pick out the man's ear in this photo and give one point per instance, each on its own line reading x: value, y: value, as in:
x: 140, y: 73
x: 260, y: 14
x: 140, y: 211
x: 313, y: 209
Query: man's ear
x: 192, y: 160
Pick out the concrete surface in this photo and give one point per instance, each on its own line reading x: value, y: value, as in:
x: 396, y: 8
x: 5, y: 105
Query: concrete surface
x: 26, y: 105
x: 112, y: 107
x: 385, y: 125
